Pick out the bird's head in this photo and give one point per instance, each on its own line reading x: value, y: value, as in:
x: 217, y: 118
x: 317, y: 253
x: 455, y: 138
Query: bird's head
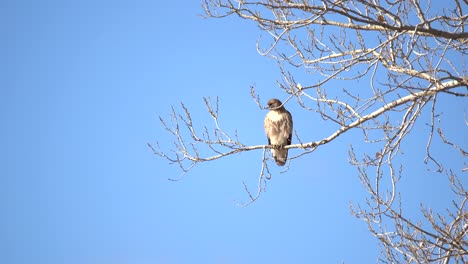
x: 274, y: 104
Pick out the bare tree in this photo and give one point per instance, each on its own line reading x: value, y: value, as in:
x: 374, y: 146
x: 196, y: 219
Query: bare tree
x: 407, y: 51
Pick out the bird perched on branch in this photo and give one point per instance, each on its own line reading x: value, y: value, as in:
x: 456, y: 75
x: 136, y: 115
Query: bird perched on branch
x: 278, y: 128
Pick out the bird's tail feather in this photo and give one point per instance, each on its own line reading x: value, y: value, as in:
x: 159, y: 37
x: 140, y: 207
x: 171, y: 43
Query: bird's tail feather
x: 280, y: 156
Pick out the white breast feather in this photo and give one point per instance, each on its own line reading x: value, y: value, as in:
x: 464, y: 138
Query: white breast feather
x: 274, y: 116
x: 276, y: 136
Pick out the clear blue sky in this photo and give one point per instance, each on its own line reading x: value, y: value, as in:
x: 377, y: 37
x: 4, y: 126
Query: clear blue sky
x: 82, y: 85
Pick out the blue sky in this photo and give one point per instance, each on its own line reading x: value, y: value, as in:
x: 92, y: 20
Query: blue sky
x: 82, y: 86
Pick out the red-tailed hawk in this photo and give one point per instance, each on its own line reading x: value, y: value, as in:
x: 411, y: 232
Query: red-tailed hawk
x: 278, y: 128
